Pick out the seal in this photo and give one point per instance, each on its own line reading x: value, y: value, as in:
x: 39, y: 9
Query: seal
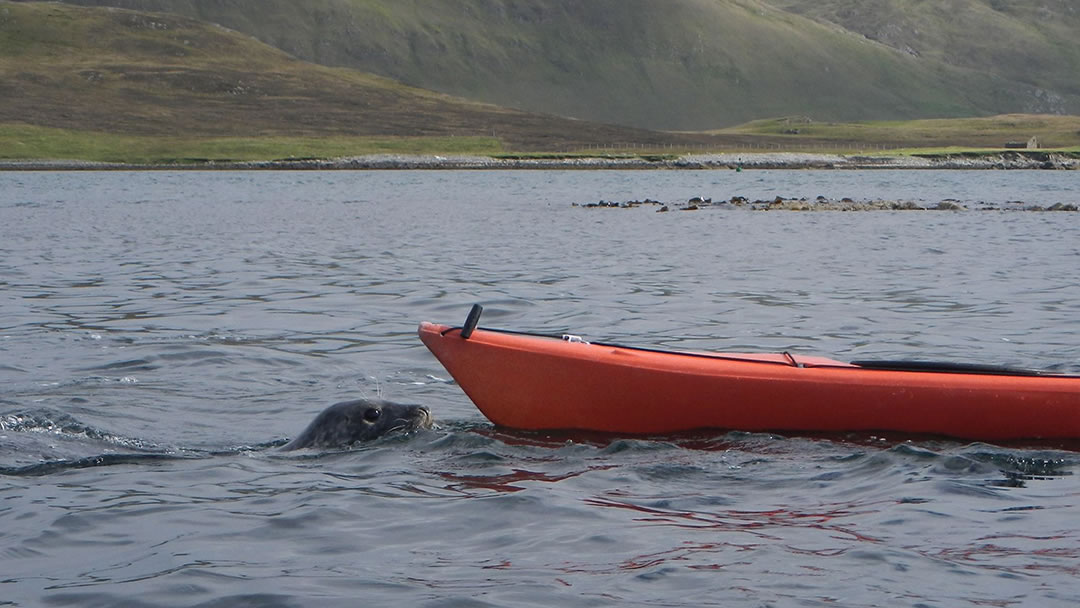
x: 348, y: 422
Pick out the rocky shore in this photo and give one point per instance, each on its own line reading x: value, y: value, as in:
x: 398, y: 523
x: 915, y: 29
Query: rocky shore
x: 779, y: 160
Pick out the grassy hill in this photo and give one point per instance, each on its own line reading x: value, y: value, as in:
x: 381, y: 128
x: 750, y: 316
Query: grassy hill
x: 987, y: 133
x: 671, y: 64
x: 1036, y: 44
x: 106, y: 71
x: 120, y: 85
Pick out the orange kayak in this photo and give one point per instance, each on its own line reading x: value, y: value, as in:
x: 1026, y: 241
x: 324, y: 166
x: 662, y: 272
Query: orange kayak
x: 528, y: 381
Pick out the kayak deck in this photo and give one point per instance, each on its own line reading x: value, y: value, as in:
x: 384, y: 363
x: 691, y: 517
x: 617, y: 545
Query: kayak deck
x: 527, y: 381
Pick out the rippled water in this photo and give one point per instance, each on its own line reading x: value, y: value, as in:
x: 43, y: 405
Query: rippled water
x: 161, y: 333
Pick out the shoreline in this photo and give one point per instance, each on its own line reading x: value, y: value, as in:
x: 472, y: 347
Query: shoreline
x: 1026, y: 160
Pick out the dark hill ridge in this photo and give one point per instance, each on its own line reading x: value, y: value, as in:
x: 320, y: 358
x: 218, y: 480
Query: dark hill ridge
x: 119, y: 71
x: 670, y: 64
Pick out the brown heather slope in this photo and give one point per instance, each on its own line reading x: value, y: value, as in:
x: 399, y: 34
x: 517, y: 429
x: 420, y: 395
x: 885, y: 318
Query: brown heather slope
x: 119, y: 71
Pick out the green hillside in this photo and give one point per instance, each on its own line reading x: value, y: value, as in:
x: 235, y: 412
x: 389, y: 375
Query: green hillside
x: 1036, y: 44
x: 671, y: 64
x: 137, y: 74
x: 993, y: 132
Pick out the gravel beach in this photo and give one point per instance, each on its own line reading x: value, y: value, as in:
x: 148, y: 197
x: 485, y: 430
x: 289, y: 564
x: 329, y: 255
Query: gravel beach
x: 779, y: 160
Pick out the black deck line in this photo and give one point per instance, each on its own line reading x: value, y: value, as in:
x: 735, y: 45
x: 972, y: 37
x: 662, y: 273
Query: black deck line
x: 943, y: 367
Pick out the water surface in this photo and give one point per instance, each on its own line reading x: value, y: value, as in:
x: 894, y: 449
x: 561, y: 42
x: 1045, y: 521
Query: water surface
x: 161, y: 332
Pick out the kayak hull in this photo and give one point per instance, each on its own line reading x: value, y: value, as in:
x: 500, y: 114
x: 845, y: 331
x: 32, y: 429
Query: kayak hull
x: 544, y: 383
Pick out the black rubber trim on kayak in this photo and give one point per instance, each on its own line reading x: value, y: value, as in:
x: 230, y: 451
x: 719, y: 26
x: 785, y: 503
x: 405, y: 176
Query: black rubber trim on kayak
x: 471, y: 324
x: 512, y: 333
x: 944, y: 367
x: 947, y: 367
x: 788, y: 362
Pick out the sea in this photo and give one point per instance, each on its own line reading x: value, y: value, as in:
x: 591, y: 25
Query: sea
x: 163, y: 333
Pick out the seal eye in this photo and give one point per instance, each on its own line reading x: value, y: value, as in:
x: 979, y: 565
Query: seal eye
x: 372, y: 414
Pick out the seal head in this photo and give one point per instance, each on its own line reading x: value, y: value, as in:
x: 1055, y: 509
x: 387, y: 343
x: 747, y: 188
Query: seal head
x: 348, y: 422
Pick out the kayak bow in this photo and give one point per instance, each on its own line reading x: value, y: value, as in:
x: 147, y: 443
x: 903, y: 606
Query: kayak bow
x: 536, y: 382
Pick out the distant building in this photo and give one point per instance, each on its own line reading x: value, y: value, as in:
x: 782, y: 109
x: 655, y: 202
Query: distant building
x: 1032, y: 144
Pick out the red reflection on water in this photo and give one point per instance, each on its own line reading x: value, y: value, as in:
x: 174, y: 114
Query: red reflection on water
x: 686, y: 552
x: 719, y: 440
x: 1014, y: 560
x: 753, y: 522
x: 507, y: 482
